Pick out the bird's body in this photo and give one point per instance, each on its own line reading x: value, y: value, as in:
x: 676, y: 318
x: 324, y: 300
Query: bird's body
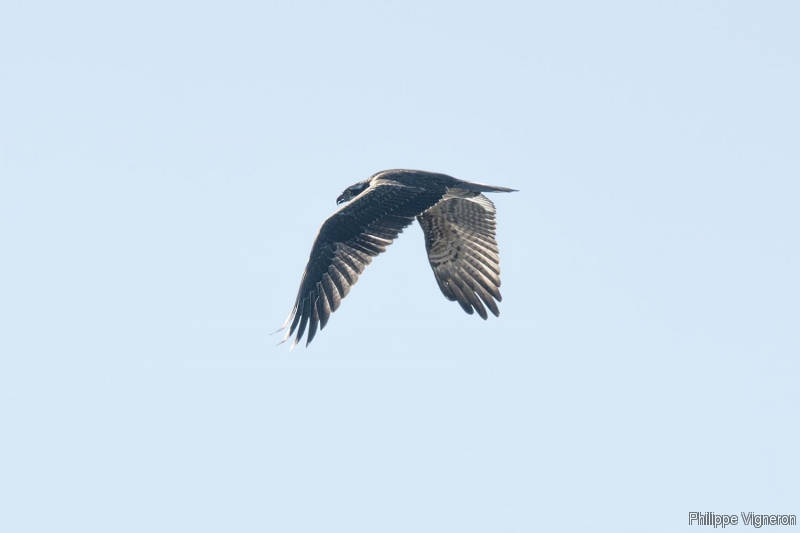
x: 459, y: 226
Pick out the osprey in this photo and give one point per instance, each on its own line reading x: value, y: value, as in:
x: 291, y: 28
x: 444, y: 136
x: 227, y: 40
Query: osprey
x: 459, y: 226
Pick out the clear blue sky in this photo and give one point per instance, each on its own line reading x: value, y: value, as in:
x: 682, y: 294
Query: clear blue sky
x: 164, y: 168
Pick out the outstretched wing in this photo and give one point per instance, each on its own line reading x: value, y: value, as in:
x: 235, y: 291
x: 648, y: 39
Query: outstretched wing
x: 462, y: 250
x: 346, y: 244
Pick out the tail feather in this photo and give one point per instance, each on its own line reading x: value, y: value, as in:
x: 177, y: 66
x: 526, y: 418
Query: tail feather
x: 490, y: 188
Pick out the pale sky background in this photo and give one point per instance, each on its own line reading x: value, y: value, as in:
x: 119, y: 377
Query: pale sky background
x: 165, y: 167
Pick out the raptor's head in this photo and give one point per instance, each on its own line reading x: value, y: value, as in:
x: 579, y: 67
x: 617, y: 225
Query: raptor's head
x: 352, y: 191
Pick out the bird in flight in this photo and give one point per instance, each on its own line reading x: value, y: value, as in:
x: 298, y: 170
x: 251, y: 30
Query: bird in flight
x: 459, y: 226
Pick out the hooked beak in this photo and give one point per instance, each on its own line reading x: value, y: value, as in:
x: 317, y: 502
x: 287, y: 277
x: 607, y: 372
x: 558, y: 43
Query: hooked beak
x: 341, y: 199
